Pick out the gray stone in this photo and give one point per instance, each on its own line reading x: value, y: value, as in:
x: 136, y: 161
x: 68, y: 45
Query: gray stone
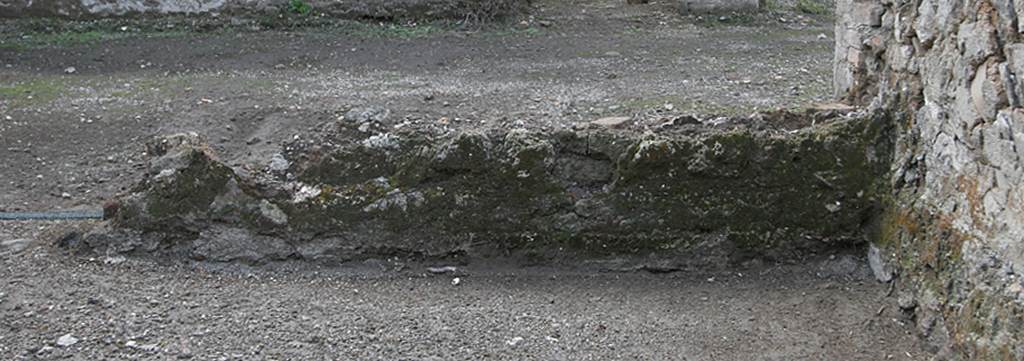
x: 956, y: 218
x: 977, y: 41
x: 66, y: 340
x: 906, y: 301
x: 278, y: 164
x: 987, y: 92
x: 363, y: 115
x: 879, y: 267
x: 273, y: 213
x: 224, y: 244
x: 15, y: 245
x: 612, y: 122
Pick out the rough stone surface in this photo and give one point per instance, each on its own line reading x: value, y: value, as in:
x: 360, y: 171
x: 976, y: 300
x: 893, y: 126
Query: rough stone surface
x: 948, y: 71
x: 696, y: 196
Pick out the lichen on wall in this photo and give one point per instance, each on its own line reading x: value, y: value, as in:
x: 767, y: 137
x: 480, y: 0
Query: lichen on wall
x: 697, y: 196
x: 951, y: 72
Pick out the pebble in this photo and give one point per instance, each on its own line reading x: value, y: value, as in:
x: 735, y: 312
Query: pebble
x: 611, y: 122
x: 278, y: 163
x: 514, y: 341
x: 15, y: 245
x: 456, y: 281
x: 362, y: 115
x: 440, y: 270
x: 70, y: 70
x: 66, y: 340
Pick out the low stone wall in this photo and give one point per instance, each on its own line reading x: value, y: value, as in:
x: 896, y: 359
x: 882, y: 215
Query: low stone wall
x: 950, y: 73
x: 699, y: 195
x: 474, y: 10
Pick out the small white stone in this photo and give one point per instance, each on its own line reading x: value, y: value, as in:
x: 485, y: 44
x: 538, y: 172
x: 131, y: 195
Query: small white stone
x: 611, y: 122
x: 514, y: 341
x: 456, y: 281
x: 66, y: 340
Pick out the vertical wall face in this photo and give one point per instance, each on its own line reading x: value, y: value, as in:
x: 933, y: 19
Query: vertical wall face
x: 952, y: 71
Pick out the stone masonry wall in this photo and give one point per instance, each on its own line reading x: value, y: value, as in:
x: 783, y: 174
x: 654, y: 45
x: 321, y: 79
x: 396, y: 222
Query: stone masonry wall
x: 949, y: 71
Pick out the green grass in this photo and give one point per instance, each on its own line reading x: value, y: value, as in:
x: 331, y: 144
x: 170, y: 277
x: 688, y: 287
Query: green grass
x: 31, y: 92
x: 73, y: 38
x: 64, y: 39
x: 813, y: 7
x: 299, y: 7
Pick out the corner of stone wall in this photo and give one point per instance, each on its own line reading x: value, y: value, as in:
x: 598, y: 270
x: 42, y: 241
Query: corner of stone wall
x: 948, y: 72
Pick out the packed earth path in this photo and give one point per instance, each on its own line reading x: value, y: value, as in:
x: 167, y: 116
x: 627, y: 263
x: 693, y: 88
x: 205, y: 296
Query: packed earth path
x: 75, y: 111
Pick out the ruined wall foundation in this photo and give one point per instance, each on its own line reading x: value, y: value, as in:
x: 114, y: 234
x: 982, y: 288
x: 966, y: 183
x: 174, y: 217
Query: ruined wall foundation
x: 694, y: 195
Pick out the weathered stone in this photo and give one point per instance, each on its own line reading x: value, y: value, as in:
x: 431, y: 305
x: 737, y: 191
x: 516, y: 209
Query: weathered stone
x: 278, y: 164
x: 612, y: 122
x: 953, y: 228
x: 987, y: 91
x: 705, y: 198
x: 879, y: 266
x: 15, y: 245
x: 363, y: 115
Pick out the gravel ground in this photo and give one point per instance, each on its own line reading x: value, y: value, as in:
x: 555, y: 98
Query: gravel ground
x: 75, y: 108
x: 71, y: 138
x: 389, y: 310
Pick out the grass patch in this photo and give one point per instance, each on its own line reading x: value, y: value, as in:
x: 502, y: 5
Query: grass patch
x: 299, y: 7
x: 361, y: 29
x: 813, y: 7
x: 32, y: 92
x: 63, y: 39
x: 74, y: 38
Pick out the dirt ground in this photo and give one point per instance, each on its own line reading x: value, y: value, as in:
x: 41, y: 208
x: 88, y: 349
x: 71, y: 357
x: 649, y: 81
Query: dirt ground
x: 120, y: 308
x: 76, y: 108
x: 73, y: 138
